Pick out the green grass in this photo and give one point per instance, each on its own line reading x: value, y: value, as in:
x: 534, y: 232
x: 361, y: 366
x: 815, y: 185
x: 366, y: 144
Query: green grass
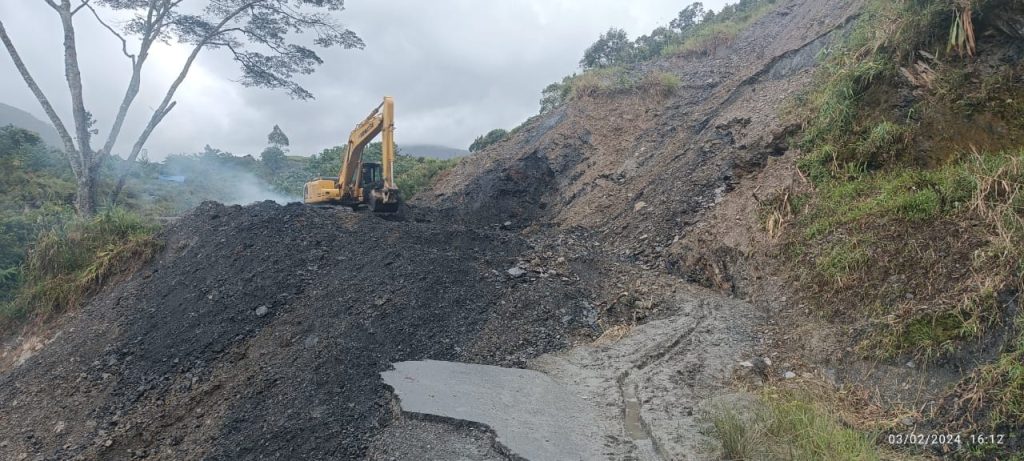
x: 992, y: 397
x: 617, y: 79
x: 844, y: 129
x: 986, y: 188
x: 930, y: 334
x: 660, y: 83
x: 842, y: 259
x: 709, y: 36
x: 600, y: 81
x: 786, y: 425
x: 905, y: 194
x: 71, y: 261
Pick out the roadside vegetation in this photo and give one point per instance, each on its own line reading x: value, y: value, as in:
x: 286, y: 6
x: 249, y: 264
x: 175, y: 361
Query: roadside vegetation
x: 71, y: 261
x: 50, y: 258
x: 913, y: 237
x: 789, y: 424
x: 615, y: 64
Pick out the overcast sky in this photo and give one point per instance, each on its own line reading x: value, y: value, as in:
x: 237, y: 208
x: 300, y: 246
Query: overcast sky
x: 457, y: 68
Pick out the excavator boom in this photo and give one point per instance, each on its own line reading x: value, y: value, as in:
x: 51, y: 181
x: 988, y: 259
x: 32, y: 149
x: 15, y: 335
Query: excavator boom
x: 359, y: 183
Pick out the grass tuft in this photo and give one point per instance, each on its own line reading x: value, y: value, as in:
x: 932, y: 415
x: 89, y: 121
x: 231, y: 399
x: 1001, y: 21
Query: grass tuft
x: 71, y: 262
x: 786, y: 424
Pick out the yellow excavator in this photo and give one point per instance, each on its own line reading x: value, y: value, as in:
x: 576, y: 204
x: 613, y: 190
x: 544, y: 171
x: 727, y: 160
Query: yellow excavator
x: 361, y: 183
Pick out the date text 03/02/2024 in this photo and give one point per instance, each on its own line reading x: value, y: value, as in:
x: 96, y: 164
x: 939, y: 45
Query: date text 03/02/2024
x: 945, y: 439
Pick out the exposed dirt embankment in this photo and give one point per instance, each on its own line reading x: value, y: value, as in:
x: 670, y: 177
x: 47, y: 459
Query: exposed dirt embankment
x: 261, y: 330
x: 640, y: 168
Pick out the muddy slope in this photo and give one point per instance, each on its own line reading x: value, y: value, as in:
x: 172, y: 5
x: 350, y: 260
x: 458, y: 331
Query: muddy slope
x: 629, y: 164
x: 261, y: 330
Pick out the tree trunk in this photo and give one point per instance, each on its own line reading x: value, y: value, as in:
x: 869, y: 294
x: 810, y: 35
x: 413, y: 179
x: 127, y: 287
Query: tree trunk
x: 85, y: 199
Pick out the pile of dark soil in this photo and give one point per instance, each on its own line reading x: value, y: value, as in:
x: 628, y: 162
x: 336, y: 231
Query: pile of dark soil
x: 260, y: 331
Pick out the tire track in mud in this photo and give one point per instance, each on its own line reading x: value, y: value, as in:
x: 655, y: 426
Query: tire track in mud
x: 633, y: 421
x: 650, y: 385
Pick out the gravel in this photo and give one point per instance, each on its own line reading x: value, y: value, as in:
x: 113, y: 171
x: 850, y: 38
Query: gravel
x: 260, y: 332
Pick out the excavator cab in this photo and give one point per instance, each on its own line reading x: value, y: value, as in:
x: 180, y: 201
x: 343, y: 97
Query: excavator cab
x: 371, y: 175
x: 363, y: 183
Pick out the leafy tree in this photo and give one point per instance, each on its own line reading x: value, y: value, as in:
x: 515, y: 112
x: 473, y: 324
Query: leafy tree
x: 327, y: 163
x: 273, y: 157
x: 688, y: 18
x: 611, y: 49
x: 555, y: 94
x: 492, y: 137
x: 277, y: 138
x: 255, y: 33
x: 649, y: 46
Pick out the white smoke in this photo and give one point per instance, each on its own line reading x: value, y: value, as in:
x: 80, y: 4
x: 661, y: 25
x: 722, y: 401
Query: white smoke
x: 247, y: 189
x: 186, y: 181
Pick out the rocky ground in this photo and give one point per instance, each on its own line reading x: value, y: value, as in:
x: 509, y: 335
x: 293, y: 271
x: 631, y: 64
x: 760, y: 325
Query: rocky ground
x: 261, y: 330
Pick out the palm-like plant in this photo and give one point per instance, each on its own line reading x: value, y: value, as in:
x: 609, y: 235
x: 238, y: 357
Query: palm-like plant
x: 961, y: 32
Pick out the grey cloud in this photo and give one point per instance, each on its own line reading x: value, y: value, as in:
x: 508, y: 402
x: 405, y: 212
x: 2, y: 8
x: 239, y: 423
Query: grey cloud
x: 457, y: 69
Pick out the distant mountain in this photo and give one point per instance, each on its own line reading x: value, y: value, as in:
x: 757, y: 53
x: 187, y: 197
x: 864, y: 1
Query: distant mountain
x: 431, y: 151
x: 10, y: 115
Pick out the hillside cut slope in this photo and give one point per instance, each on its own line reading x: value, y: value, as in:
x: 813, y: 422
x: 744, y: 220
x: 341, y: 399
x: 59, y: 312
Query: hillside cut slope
x: 626, y: 164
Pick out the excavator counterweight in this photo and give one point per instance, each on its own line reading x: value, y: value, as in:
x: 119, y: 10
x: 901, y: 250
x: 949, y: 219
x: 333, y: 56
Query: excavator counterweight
x: 361, y: 183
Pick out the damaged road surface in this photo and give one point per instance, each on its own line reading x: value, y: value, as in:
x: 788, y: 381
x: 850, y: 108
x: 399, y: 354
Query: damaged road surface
x: 638, y: 397
x: 532, y: 416
x: 261, y: 332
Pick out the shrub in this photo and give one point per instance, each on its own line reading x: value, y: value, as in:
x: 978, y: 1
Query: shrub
x: 492, y: 137
x: 600, y: 81
x: 660, y: 83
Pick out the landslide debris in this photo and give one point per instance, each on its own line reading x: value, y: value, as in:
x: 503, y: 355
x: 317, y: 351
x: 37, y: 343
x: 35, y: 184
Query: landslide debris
x: 641, y: 169
x: 260, y: 332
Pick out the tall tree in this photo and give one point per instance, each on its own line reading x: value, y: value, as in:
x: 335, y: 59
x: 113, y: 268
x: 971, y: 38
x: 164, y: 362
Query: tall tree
x: 611, y: 48
x: 273, y: 156
x: 277, y: 138
x: 257, y: 34
x: 688, y: 18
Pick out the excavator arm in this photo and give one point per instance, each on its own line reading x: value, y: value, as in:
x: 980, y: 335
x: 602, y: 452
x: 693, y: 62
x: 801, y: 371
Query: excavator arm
x: 381, y: 120
x: 350, y: 188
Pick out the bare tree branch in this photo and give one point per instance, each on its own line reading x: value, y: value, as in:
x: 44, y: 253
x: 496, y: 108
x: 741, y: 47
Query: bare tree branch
x: 167, y: 104
x: 150, y: 33
x: 73, y: 75
x: 84, y: 4
x: 163, y: 108
x: 124, y: 43
x: 58, y: 124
